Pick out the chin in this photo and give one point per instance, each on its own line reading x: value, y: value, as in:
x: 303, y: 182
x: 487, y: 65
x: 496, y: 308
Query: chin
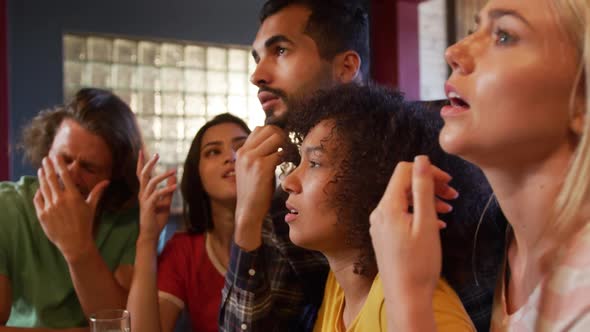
x: 223, y: 197
x: 303, y: 242
x: 296, y: 238
x: 467, y: 150
x: 277, y: 118
x: 452, y: 141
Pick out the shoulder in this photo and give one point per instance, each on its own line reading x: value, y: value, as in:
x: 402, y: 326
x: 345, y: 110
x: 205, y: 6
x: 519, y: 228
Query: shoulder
x: 16, y: 201
x: 577, y: 254
x: 128, y: 217
x: 186, y: 239
x: 121, y: 225
x: 446, y: 297
x: 24, y: 189
x: 572, y: 269
x: 449, y: 313
x: 185, y: 243
x: 565, y: 294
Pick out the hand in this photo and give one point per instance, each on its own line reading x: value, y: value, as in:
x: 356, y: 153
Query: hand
x: 65, y: 216
x: 407, y: 245
x: 255, y: 174
x: 154, y: 203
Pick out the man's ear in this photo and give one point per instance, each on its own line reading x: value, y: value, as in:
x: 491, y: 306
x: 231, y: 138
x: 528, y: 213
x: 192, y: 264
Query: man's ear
x: 347, y: 67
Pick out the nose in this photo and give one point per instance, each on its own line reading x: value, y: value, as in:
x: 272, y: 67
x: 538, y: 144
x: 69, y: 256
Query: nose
x: 230, y: 157
x: 75, y: 171
x: 459, y: 56
x: 291, y: 183
x: 262, y: 74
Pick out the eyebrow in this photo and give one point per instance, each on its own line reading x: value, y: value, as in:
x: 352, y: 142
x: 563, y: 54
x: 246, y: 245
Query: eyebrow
x: 311, y: 149
x: 235, y: 139
x: 239, y: 138
x: 83, y: 162
x: 495, y: 14
x: 271, y: 41
x: 89, y: 165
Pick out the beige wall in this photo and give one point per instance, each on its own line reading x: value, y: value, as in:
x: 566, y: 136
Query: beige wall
x: 465, y: 11
x: 433, y: 42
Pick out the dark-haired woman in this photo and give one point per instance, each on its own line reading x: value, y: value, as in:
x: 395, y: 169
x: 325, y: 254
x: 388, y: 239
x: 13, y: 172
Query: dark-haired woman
x: 190, y: 270
x: 352, y: 137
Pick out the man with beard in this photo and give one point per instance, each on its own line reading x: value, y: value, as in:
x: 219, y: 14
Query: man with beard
x: 301, y: 46
x: 67, y: 236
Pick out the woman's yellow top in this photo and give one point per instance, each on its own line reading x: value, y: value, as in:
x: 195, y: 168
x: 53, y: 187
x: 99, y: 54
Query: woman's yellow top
x: 449, y: 313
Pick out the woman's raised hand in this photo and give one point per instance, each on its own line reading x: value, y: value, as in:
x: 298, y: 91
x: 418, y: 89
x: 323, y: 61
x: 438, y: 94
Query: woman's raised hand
x: 407, y: 244
x: 154, y: 202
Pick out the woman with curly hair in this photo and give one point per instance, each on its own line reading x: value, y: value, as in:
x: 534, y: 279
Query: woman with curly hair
x: 350, y: 140
x: 190, y: 270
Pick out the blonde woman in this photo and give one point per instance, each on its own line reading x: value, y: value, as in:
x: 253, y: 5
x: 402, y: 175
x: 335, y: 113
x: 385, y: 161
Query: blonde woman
x: 518, y: 103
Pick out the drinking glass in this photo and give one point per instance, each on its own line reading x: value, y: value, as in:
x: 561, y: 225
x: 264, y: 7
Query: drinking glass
x: 110, y: 321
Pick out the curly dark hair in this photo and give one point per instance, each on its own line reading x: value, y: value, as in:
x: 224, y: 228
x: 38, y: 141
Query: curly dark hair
x: 335, y: 25
x: 375, y: 129
x: 368, y: 123
x: 196, y: 204
x: 103, y: 114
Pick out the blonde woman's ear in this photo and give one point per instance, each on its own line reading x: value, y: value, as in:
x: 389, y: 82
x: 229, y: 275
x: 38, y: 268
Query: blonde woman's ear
x: 577, y: 122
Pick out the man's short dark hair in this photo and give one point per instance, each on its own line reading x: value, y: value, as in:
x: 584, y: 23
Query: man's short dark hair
x: 101, y: 113
x: 336, y: 26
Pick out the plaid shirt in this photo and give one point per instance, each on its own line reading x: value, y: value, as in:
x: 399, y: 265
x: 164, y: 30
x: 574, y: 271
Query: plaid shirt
x: 279, y: 287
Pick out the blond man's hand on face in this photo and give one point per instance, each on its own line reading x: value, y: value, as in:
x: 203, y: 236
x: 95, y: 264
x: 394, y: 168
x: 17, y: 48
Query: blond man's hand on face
x: 255, y: 177
x: 67, y: 218
x: 154, y: 202
x: 407, y: 244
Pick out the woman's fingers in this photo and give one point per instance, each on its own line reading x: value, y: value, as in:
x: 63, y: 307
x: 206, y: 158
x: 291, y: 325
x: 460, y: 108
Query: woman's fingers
x: 440, y: 205
x: 140, y: 163
x: 423, y: 195
x: 444, y: 190
x: 153, y: 182
x: 399, y: 184
x: 146, y: 172
x: 161, y: 196
x: 438, y: 174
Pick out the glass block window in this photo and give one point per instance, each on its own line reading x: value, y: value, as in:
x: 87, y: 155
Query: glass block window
x: 173, y: 87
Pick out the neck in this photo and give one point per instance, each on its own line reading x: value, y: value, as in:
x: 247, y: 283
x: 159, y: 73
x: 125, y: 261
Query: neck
x: 355, y: 287
x: 223, y: 215
x: 527, y: 194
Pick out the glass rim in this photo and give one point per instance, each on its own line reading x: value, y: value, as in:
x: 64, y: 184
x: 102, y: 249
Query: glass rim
x: 116, y: 315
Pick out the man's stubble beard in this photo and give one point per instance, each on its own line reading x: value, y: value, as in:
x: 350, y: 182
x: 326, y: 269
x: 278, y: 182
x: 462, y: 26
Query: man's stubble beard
x: 324, y: 80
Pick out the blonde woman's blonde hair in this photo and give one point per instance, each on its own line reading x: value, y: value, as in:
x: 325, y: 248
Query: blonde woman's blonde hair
x: 574, y: 16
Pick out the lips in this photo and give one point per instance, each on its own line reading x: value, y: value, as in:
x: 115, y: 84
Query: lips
x: 267, y: 100
x: 292, y: 214
x: 457, y: 104
x: 229, y: 173
x: 456, y: 100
